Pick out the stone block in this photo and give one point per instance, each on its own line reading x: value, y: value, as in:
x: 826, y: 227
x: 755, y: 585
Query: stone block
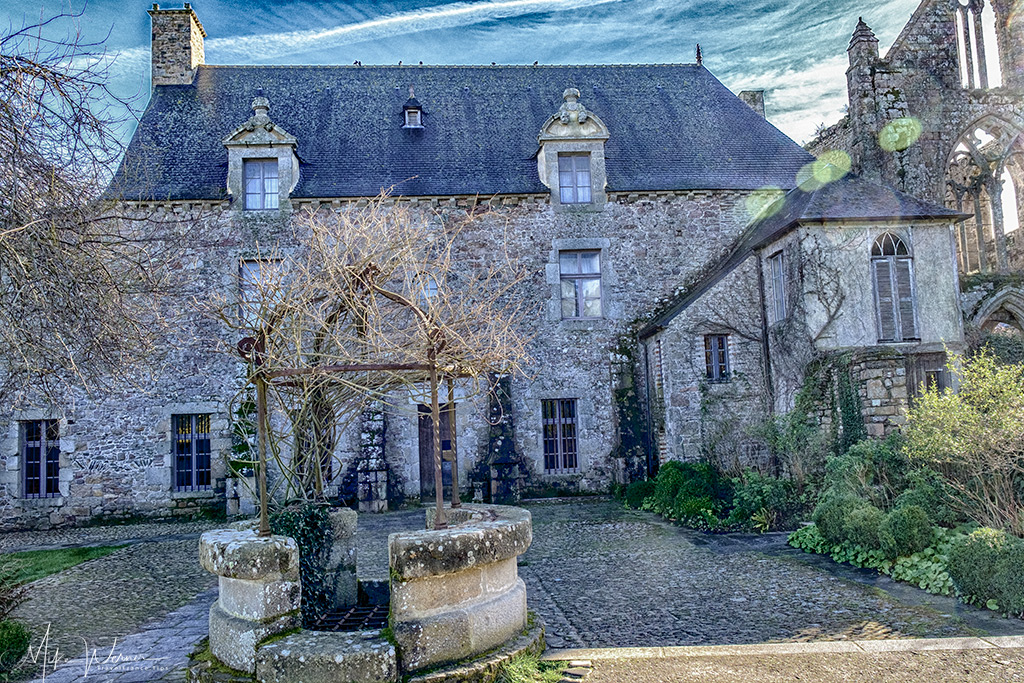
x: 422, y: 597
x: 258, y: 600
x: 344, y: 522
x: 321, y: 657
x: 435, y: 640
x: 344, y: 587
x: 493, y: 622
x: 500, y: 576
x: 242, y: 554
x: 233, y: 641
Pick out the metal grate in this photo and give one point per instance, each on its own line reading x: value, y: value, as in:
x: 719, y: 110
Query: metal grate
x: 361, y: 618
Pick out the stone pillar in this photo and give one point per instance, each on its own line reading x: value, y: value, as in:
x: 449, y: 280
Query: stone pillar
x: 505, y: 478
x: 259, y: 591
x: 341, y: 565
x: 863, y: 113
x: 372, y: 467
x: 177, y: 45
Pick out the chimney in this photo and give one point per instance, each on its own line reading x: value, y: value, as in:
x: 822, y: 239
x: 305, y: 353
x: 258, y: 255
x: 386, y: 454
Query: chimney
x: 754, y: 100
x: 177, y: 47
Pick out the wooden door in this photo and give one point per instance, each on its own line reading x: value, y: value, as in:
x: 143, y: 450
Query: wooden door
x: 427, y: 453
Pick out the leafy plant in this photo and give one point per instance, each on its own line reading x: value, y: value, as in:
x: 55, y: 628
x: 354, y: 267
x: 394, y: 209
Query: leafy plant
x: 862, y: 525
x: 830, y: 517
x: 14, y: 642
x: 871, y: 469
x: 905, y: 531
x: 928, y: 490
x: 636, y: 492
x: 974, y: 439
x: 310, y: 525
x: 772, y: 501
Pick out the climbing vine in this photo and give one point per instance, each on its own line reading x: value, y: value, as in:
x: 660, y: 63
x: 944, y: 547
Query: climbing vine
x: 310, y: 525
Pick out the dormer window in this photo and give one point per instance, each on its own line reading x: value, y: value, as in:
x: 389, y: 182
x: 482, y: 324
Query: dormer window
x: 571, y: 156
x: 263, y: 168
x: 413, y: 111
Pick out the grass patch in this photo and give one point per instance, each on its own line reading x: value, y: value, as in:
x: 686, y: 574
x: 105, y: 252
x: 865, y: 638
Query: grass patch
x: 35, y: 564
x: 528, y: 668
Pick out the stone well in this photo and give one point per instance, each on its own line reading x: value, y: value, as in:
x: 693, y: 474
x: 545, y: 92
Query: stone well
x: 456, y: 592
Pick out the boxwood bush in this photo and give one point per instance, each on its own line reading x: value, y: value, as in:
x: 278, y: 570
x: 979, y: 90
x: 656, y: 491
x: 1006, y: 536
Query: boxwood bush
x: 862, y: 526
x: 976, y: 560
x: 832, y: 513
x: 636, y: 492
x: 905, y: 531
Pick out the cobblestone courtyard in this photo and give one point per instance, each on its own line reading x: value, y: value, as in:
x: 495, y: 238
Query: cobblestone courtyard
x: 598, y: 574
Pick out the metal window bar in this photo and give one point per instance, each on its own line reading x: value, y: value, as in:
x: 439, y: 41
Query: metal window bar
x: 41, y: 457
x: 716, y: 357
x: 560, y: 436
x: 192, y: 452
x: 580, y: 274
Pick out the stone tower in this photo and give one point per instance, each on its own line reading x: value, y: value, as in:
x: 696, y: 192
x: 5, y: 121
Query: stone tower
x: 177, y: 47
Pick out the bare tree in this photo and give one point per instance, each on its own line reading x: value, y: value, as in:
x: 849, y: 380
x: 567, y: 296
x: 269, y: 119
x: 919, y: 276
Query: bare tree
x: 367, y: 301
x: 81, y: 273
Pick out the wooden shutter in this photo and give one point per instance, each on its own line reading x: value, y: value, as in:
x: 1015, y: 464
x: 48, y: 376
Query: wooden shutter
x: 905, y: 293
x: 885, y: 305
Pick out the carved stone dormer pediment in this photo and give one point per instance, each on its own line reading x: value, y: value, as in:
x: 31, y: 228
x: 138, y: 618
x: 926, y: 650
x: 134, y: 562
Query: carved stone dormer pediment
x: 573, y: 121
x: 259, y: 129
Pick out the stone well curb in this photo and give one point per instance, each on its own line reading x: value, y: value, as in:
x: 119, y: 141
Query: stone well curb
x: 817, y: 647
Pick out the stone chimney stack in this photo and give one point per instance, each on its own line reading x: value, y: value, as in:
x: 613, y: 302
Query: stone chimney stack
x: 863, y: 109
x: 177, y: 47
x: 754, y: 100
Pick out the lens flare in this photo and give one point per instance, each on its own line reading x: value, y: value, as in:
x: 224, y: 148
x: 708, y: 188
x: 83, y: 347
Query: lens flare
x: 899, y: 134
x: 764, y: 202
x: 828, y: 168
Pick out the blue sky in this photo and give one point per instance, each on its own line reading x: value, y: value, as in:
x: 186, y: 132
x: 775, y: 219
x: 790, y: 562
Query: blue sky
x: 794, y: 49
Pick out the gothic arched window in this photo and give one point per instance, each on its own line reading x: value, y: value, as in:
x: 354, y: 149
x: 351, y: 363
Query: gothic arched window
x: 893, y: 271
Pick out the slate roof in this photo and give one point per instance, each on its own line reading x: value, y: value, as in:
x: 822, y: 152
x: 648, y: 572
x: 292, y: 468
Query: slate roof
x: 850, y: 198
x: 673, y: 127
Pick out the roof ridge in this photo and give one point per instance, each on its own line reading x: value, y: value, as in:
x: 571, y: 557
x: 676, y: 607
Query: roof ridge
x: 439, y: 66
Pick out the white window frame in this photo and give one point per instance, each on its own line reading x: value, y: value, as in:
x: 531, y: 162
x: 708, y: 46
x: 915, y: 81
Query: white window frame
x: 267, y: 197
x: 777, y: 268
x: 575, y: 184
x: 892, y: 272
x: 718, y: 365
x: 577, y: 281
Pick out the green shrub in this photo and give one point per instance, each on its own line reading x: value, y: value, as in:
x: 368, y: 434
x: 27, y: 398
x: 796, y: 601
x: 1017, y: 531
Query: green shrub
x: 697, y: 480
x: 832, y: 513
x: 666, y: 486
x: 974, y: 561
x: 862, y: 526
x: 688, y: 507
x: 929, y: 491
x: 1008, y: 581
x: 761, y: 495
x: 871, y: 469
x: 905, y: 531
x: 14, y: 641
x: 636, y: 492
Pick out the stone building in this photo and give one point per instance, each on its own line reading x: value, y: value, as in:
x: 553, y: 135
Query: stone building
x: 683, y: 252
x: 940, y: 117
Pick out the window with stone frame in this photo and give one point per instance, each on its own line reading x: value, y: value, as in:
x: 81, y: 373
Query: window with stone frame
x: 560, y: 436
x: 256, y: 280
x: 574, y: 178
x: 40, y: 453
x: 190, y: 438
x: 895, y: 306
x: 580, y: 275
x: 716, y: 357
x: 778, y: 275
x: 261, y: 184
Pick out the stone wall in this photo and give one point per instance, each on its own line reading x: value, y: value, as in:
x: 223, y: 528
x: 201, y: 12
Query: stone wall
x: 116, y: 441
x: 696, y: 417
